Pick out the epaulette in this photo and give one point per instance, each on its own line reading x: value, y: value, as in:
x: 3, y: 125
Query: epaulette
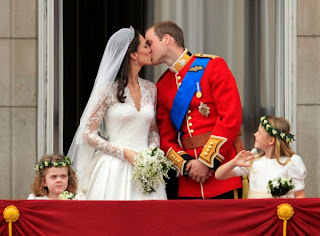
x: 205, y: 55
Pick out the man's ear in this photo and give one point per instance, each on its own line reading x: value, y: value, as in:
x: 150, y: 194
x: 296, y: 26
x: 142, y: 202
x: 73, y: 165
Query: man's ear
x: 166, y: 39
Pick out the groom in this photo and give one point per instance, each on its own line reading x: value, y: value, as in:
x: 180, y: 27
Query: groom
x: 198, y: 113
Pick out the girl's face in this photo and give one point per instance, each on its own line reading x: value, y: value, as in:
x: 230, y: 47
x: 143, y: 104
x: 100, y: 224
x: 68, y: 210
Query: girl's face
x: 262, y: 138
x: 143, y: 53
x: 56, y: 179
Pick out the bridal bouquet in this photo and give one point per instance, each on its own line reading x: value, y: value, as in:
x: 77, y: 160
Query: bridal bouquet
x: 279, y: 186
x: 150, y: 167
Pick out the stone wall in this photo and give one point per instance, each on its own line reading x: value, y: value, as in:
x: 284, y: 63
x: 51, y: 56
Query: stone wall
x: 18, y: 96
x: 308, y: 82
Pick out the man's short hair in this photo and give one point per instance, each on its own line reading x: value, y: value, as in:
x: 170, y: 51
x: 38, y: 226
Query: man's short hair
x: 171, y: 28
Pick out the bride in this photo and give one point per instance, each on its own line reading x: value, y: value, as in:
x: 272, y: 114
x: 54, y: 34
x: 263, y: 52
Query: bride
x: 118, y: 121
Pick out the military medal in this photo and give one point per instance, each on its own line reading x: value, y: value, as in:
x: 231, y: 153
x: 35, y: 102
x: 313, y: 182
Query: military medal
x: 204, y: 109
x: 198, y: 94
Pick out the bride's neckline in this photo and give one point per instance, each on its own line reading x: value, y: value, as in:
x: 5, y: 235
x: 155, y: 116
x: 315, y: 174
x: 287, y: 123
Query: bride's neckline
x: 136, y: 104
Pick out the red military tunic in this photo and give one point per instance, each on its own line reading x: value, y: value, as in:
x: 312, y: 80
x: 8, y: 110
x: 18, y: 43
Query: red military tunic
x: 220, y: 94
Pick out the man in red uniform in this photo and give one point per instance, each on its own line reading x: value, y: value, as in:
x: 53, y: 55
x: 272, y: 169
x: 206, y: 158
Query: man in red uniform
x: 198, y: 113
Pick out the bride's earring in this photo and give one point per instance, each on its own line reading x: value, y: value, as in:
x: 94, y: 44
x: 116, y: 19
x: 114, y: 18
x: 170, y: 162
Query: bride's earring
x: 135, y: 61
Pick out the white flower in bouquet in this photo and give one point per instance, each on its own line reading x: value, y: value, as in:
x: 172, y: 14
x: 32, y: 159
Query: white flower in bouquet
x: 66, y: 195
x: 150, y: 167
x: 279, y: 186
x: 275, y: 184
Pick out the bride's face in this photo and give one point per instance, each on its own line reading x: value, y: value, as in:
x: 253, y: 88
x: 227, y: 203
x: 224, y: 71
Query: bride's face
x: 143, y: 53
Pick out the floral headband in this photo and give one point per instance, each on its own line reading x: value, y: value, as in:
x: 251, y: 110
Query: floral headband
x: 288, y: 138
x: 59, y: 163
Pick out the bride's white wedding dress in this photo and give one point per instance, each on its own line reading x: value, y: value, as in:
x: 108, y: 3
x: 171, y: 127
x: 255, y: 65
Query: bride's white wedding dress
x: 125, y: 127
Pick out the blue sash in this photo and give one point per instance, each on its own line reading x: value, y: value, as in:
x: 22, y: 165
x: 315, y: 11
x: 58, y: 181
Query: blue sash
x: 186, y: 92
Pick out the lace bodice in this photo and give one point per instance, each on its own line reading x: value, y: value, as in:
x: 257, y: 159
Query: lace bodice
x: 125, y: 126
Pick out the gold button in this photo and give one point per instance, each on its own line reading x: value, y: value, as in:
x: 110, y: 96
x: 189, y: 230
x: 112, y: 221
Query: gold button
x: 205, y: 153
x: 190, y: 124
x: 211, y: 143
x: 191, y: 131
x: 208, y: 150
x: 189, y: 117
x: 179, y: 77
x: 189, y: 111
x: 209, y: 146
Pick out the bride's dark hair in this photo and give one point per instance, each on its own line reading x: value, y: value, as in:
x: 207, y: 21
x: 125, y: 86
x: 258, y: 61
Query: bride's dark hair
x: 123, y: 72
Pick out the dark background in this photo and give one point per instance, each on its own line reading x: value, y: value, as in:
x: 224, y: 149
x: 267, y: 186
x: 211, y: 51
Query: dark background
x: 87, y: 26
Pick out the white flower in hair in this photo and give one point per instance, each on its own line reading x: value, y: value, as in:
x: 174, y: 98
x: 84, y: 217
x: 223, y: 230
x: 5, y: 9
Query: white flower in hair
x: 265, y: 122
x: 268, y: 127
x: 282, y: 135
x: 274, y: 132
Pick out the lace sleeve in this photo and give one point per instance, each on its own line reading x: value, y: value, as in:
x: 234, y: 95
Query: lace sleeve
x: 91, y: 136
x: 154, y: 138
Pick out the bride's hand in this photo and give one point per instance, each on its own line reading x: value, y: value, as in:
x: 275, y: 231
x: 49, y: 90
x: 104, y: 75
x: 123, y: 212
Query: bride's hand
x: 129, y: 155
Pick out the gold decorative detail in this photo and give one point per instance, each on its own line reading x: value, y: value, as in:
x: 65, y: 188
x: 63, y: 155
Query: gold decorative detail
x: 189, y: 117
x: 11, y: 214
x: 196, y: 68
x: 204, y: 109
x: 182, y: 62
x: 208, y: 155
x: 198, y: 94
x: 285, y: 212
x: 245, y: 186
x: 205, y: 55
x: 176, y: 159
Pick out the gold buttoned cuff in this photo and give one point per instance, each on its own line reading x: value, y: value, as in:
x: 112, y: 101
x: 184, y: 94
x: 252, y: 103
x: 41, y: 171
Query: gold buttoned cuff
x: 176, y: 159
x: 211, y: 150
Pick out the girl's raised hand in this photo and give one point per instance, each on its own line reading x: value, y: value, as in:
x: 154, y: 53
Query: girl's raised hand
x: 242, y: 158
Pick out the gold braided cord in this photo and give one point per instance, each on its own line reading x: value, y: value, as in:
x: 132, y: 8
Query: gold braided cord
x: 285, y: 212
x: 11, y: 214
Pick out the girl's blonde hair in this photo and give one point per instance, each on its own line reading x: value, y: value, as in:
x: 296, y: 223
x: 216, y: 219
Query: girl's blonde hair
x: 38, y: 187
x: 282, y: 148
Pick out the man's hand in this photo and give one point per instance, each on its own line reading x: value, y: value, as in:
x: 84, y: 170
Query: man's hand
x: 198, y: 171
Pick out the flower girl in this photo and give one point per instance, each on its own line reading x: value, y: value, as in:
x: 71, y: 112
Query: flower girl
x: 55, y: 179
x: 276, y: 170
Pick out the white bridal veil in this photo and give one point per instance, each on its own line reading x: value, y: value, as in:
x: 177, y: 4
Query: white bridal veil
x: 80, y: 152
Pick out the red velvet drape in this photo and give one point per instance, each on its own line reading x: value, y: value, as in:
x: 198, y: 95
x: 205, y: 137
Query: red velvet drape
x: 183, y: 217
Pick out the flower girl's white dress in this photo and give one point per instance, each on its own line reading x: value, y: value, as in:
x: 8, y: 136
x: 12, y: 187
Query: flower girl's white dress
x: 110, y: 175
x: 78, y: 196
x: 264, y: 169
